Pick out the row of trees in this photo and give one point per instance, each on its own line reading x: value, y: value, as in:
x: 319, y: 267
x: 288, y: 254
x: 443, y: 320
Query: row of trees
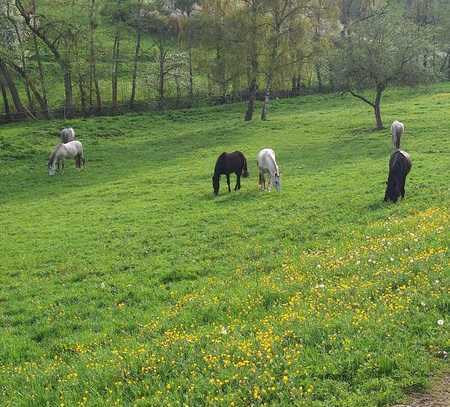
x: 184, y: 48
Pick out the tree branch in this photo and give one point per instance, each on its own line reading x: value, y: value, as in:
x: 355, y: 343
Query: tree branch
x: 362, y: 98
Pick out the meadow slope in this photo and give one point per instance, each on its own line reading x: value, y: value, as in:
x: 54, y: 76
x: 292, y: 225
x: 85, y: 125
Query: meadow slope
x: 129, y: 284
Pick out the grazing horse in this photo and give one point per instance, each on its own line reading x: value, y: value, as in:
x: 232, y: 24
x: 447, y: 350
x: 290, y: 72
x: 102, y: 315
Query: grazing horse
x: 226, y: 164
x: 71, y: 150
x: 67, y: 135
x: 397, y: 130
x: 267, y: 164
x: 399, y: 166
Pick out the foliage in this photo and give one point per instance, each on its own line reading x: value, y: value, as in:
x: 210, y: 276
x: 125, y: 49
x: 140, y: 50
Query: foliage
x: 279, y: 45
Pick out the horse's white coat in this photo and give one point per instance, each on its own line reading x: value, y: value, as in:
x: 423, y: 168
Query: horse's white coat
x: 69, y: 150
x: 267, y: 164
x: 397, y: 129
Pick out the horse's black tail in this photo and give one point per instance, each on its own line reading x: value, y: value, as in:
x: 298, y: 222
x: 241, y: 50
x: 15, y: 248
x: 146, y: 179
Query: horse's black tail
x: 245, y: 173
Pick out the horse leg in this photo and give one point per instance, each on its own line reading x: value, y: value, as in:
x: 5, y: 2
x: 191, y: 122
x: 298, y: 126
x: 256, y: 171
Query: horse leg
x: 228, y: 182
x: 261, y: 180
x: 238, y: 182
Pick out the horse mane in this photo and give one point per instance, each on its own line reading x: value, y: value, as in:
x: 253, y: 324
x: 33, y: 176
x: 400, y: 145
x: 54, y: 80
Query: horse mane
x: 274, y: 164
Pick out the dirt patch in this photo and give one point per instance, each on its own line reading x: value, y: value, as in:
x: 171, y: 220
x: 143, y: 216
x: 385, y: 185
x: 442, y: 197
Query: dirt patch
x: 438, y: 396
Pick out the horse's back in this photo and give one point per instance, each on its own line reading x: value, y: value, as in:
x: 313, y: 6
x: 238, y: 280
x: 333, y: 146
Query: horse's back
x: 74, y: 147
x: 266, y: 158
x: 400, y: 159
x: 230, y: 162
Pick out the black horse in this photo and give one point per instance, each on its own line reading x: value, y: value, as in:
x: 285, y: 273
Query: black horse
x: 399, y: 166
x: 226, y: 164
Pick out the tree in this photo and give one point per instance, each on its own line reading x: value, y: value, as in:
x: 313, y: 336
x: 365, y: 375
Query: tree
x: 163, y: 28
x: 186, y: 7
x: 116, y: 13
x: 283, y: 26
x: 253, y: 10
x: 52, y: 33
x: 136, y: 23
x: 93, y: 79
x: 382, y: 49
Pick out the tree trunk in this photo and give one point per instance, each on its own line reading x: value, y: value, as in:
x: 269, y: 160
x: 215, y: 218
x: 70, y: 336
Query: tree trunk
x: 135, y: 67
x: 83, y: 97
x: 251, y: 101
x: 319, y: 77
x: 448, y: 65
x: 252, y: 88
x: 377, y: 107
x: 178, y: 88
x: 31, y: 85
x: 93, y: 62
x: 162, y: 67
x: 68, y: 105
x: 265, y: 107
x: 267, y: 90
x: 253, y: 63
x: 37, y: 53
x: 12, y: 88
x: 64, y: 64
x: 191, y: 74
x: 5, y: 99
x: 115, y: 69
x: 13, y: 22
x: 45, y: 106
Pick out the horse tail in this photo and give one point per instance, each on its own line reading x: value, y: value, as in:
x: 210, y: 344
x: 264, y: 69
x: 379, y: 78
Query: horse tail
x: 244, y: 168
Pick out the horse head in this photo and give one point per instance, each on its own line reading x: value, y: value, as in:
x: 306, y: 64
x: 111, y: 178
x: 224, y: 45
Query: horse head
x: 277, y: 181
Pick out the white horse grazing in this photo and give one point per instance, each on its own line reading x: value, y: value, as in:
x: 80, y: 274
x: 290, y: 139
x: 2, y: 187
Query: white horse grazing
x: 397, y: 129
x: 67, y: 135
x: 267, y: 164
x: 71, y: 150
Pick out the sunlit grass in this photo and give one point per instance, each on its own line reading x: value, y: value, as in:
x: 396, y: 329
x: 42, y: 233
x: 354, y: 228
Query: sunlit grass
x: 128, y: 283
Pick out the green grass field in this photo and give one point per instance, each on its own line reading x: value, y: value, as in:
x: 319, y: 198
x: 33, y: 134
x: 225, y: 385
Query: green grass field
x: 129, y: 284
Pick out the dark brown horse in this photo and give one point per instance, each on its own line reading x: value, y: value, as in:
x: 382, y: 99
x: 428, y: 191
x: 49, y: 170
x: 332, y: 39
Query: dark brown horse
x: 399, y: 166
x: 226, y: 164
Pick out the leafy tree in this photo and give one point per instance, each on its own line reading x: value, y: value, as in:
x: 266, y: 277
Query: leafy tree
x: 159, y: 23
x: 383, y: 49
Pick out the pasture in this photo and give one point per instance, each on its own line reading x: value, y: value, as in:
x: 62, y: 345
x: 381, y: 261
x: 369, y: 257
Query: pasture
x: 128, y: 283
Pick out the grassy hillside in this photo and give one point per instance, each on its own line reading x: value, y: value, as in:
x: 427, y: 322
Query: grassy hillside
x: 129, y: 284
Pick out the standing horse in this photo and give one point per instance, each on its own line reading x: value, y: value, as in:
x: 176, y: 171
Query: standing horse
x: 67, y: 135
x: 268, y: 165
x: 397, y: 130
x: 71, y: 150
x: 226, y: 164
x: 399, y: 167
